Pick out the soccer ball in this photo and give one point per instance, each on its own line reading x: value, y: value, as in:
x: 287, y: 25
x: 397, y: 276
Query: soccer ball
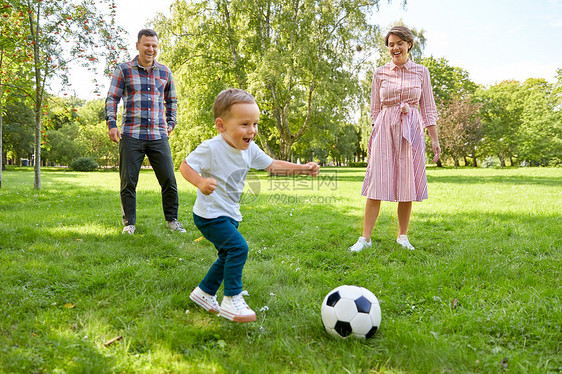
x: 351, y: 311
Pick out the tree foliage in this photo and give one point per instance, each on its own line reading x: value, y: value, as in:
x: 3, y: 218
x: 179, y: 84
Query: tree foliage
x: 308, y: 63
x: 460, y: 128
x: 522, y: 121
x: 540, y: 134
x: 12, y: 71
x: 501, y: 116
x: 18, y: 129
x: 57, y: 33
x: 77, y: 129
x: 449, y: 83
x: 298, y: 58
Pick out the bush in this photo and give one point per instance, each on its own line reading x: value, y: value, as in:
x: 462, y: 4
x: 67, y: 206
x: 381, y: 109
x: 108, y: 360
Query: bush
x: 357, y: 164
x: 84, y: 164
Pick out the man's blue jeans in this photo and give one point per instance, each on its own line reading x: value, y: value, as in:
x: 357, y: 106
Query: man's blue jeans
x: 232, y: 251
x: 131, y: 156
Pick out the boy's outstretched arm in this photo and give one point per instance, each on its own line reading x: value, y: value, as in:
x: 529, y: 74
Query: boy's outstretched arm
x: 205, y: 185
x: 279, y: 167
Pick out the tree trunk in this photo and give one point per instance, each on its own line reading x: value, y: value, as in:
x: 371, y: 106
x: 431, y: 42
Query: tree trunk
x: 37, y: 149
x: 502, y: 160
x: 3, y: 167
x: 465, y: 161
x: 1, y: 124
x: 285, y: 145
x: 39, y: 87
x: 456, y: 162
x: 439, y: 164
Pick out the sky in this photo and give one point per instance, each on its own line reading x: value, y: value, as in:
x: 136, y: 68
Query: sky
x: 493, y: 40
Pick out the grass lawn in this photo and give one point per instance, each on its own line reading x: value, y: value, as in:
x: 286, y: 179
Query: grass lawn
x: 481, y: 292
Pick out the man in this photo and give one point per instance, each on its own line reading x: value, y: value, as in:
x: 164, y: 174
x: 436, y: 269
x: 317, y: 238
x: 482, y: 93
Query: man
x: 149, y: 116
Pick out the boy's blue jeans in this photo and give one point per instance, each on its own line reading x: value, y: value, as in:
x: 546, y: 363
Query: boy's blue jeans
x: 232, y: 251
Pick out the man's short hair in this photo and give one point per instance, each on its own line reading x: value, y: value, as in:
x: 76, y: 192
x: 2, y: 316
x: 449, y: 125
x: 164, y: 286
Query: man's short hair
x: 147, y: 32
x: 229, y: 97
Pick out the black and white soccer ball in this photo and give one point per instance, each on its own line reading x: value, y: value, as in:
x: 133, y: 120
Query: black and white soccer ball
x: 351, y: 311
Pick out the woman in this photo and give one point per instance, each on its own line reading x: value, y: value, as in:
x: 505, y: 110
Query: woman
x: 402, y: 105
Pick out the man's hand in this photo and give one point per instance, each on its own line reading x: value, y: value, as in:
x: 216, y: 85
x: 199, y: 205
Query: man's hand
x: 207, y: 185
x: 114, y: 134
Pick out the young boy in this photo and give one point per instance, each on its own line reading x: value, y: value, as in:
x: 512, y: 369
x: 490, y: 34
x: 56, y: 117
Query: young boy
x: 218, y: 168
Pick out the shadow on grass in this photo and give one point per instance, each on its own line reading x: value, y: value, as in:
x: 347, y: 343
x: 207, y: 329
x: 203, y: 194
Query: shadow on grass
x: 69, y: 353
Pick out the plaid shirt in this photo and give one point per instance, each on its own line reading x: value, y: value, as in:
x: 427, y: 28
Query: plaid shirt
x: 149, y: 99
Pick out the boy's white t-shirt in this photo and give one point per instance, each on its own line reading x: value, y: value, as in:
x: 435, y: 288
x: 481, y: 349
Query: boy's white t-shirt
x: 215, y: 158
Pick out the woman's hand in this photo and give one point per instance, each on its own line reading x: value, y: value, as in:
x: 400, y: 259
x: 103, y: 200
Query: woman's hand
x: 436, y: 150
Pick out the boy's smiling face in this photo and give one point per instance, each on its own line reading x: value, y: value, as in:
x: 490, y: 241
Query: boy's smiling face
x: 240, y: 125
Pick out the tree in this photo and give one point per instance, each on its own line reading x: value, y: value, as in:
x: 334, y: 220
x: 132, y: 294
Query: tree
x: 18, y: 129
x: 12, y: 69
x: 501, y: 112
x: 93, y: 134
x: 345, y: 145
x: 61, y: 125
x: 64, y: 144
x: 449, y: 83
x: 557, y: 90
x: 97, y: 145
x: 540, y: 134
x: 460, y: 129
x: 61, y: 32
x: 299, y: 58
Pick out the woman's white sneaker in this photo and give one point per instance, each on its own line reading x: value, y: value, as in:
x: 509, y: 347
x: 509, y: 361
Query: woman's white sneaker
x: 361, y: 244
x: 404, y: 242
x: 205, y: 301
x: 235, y: 309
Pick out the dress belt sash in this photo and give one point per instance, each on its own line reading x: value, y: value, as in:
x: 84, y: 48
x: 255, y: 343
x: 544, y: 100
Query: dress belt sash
x: 409, y: 123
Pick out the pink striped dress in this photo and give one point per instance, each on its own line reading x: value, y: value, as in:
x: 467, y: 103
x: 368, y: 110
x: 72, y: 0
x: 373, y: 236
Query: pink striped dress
x: 402, y: 105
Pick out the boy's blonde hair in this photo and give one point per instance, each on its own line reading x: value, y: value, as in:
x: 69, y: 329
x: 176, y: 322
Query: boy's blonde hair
x: 229, y: 97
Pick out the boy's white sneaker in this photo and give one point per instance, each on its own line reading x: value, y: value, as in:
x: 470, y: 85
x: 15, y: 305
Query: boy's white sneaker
x: 129, y: 229
x: 205, y: 301
x: 235, y: 309
x: 361, y: 244
x: 404, y: 242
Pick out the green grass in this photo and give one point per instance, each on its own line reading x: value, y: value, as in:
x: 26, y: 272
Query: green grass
x: 481, y: 293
